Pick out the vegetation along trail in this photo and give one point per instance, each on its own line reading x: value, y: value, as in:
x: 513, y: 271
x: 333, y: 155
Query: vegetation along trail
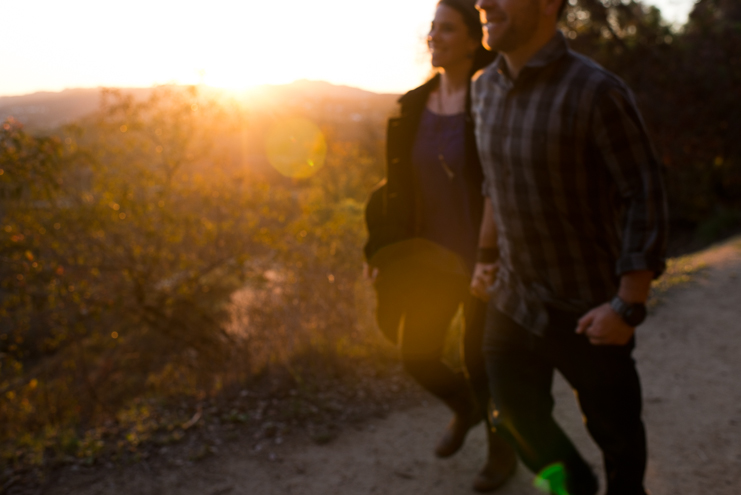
x: 688, y: 358
x: 181, y: 309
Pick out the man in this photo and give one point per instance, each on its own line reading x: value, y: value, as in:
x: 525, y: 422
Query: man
x: 574, y: 231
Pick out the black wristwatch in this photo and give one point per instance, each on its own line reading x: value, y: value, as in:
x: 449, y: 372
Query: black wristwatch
x: 632, y: 313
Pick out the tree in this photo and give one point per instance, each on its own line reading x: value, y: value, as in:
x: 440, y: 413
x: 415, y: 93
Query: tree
x: 686, y: 83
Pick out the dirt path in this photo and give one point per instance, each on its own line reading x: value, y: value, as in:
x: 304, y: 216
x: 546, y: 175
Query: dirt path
x: 689, y: 356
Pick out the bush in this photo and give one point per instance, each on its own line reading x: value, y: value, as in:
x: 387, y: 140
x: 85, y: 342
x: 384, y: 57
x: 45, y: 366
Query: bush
x: 141, y: 260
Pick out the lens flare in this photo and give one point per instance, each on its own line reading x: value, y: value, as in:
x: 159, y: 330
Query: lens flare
x: 552, y: 479
x: 296, y: 147
x: 404, y: 267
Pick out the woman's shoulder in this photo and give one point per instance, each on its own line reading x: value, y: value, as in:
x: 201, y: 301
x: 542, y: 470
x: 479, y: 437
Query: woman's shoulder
x: 414, y: 101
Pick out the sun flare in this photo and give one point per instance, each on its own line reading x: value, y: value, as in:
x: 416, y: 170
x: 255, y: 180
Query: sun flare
x: 231, y: 45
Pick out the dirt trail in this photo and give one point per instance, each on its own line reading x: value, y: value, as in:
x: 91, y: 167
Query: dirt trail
x: 689, y: 356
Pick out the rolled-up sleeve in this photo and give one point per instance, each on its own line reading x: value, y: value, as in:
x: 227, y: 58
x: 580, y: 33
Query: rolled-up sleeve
x: 621, y: 139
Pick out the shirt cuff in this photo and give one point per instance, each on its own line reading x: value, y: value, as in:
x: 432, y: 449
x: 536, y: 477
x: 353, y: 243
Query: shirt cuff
x: 639, y: 261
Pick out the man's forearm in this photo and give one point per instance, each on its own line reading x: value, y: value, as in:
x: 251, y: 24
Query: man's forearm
x: 635, y: 286
x: 486, y: 263
x: 488, y: 232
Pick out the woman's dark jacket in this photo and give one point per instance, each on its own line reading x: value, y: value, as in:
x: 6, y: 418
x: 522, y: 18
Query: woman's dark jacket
x: 391, y: 213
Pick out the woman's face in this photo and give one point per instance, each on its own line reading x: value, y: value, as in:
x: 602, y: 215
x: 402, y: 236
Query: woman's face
x: 448, y: 40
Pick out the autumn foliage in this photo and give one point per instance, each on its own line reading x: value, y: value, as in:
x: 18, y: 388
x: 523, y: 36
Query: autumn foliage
x: 141, y: 258
x: 145, y: 260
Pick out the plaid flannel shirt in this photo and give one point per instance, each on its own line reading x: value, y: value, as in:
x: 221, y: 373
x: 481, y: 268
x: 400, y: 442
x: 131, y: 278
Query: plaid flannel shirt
x: 576, y: 188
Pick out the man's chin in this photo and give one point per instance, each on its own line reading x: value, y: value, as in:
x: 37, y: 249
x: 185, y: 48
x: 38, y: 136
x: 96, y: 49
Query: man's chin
x: 492, y: 40
x: 504, y: 43
x: 489, y: 43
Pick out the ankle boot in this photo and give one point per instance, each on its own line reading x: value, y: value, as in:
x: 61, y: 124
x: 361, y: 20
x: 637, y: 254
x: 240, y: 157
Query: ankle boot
x: 465, y: 415
x: 500, y: 464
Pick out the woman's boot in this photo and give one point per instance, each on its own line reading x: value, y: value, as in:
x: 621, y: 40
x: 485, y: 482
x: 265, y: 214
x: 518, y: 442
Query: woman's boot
x: 500, y: 464
x: 466, y: 414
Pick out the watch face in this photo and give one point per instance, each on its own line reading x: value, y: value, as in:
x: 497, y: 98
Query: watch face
x: 635, y: 314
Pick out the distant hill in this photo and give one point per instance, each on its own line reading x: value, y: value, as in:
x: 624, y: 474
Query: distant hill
x: 345, y: 114
x: 44, y: 110
x: 305, y: 89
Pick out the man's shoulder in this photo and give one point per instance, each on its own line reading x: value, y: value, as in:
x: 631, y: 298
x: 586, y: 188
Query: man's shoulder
x: 485, y: 77
x: 586, y: 75
x: 486, y: 73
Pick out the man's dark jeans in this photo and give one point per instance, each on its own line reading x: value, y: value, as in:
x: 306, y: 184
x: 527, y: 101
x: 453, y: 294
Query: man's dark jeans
x: 520, y: 366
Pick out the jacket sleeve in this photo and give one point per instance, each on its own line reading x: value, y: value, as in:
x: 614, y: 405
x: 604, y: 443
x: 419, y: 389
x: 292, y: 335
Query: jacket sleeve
x: 375, y: 220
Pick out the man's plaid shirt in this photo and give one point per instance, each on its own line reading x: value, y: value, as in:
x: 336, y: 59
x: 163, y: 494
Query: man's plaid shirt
x: 576, y: 189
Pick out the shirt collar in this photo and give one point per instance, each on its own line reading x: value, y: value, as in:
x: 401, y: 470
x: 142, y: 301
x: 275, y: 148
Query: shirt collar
x: 550, y: 52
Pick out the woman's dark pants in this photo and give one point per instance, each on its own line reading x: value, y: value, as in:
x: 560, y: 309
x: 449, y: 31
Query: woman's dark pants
x: 520, y: 366
x: 431, y: 299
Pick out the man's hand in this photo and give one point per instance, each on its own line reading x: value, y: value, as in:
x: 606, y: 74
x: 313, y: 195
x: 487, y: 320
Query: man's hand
x: 483, y: 277
x: 603, y: 326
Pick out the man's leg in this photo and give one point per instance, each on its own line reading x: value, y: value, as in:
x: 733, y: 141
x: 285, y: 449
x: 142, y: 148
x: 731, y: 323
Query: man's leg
x: 609, y: 393
x: 520, y: 376
x: 473, y: 352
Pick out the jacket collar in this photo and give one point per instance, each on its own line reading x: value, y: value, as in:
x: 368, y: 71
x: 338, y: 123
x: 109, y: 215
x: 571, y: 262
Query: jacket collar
x: 415, y: 100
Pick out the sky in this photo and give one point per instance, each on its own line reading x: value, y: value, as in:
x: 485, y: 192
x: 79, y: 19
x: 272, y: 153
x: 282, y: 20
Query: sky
x: 50, y: 45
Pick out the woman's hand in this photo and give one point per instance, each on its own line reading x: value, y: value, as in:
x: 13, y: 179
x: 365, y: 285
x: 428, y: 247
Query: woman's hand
x: 370, y: 272
x: 483, y: 277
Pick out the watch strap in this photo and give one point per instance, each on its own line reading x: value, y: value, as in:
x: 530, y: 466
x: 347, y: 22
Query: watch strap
x: 619, y: 306
x: 632, y: 313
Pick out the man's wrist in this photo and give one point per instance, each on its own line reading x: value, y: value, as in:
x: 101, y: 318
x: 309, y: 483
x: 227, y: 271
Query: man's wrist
x: 632, y: 313
x: 635, y: 286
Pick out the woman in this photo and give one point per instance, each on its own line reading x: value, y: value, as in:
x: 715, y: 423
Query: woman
x: 423, y: 230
